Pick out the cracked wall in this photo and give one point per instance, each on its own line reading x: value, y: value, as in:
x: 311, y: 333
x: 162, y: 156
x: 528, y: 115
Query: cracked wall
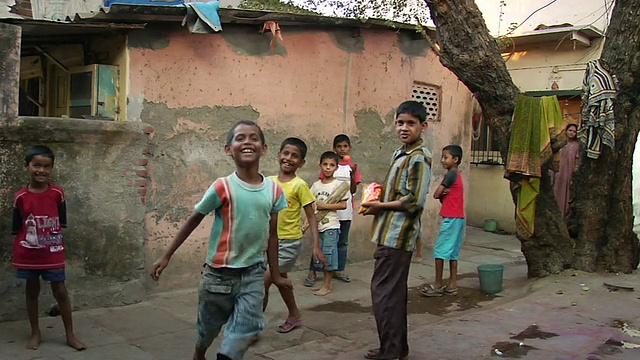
x: 100, y: 165
x: 317, y: 84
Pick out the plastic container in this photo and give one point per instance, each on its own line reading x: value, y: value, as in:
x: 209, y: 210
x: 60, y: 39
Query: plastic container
x: 490, y: 225
x: 491, y: 278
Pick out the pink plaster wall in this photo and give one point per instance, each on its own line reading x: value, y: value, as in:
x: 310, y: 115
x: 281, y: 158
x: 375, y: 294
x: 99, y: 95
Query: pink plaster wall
x: 314, y: 91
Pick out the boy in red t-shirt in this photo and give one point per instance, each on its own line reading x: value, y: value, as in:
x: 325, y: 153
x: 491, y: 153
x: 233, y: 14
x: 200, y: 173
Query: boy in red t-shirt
x: 39, y: 214
x: 449, y: 241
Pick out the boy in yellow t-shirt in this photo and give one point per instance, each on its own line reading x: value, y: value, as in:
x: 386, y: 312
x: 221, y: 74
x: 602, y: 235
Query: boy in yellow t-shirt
x: 292, y: 157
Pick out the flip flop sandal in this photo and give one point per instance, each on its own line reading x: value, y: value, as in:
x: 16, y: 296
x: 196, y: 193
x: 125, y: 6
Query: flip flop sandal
x: 343, y: 278
x: 289, y: 325
x: 432, y: 291
x: 309, y: 282
x: 450, y: 291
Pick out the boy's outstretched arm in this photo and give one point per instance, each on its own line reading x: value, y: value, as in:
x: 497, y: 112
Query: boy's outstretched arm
x: 187, y: 228
x: 374, y: 207
x: 313, y: 225
x: 417, y: 187
x: 272, y: 255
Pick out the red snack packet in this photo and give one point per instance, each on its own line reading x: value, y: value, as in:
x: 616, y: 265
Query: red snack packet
x: 370, y: 192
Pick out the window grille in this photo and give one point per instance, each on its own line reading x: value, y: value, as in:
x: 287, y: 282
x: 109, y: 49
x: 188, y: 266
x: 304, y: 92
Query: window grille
x: 484, y: 149
x: 429, y: 96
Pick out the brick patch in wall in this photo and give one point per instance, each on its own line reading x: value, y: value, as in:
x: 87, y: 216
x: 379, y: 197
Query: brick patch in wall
x: 138, y: 174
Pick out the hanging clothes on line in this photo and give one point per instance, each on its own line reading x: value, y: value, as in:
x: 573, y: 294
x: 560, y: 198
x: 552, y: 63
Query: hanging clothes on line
x: 536, y: 124
x: 599, y: 90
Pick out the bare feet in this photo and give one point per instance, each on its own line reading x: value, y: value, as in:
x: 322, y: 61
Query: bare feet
x: 34, y: 341
x: 322, y: 291
x: 73, y: 341
x: 416, y: 259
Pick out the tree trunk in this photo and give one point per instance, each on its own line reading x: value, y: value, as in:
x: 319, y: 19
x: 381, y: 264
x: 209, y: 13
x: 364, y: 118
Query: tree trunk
x: 605, y: 238
x: 603, y: 208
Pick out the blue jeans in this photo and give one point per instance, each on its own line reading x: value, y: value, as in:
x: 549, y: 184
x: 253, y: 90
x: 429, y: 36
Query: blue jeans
x: 343, y: 244
x: 232, y: 297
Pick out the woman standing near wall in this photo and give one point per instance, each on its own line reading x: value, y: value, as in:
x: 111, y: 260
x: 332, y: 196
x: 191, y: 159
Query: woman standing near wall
x: 568, y: 162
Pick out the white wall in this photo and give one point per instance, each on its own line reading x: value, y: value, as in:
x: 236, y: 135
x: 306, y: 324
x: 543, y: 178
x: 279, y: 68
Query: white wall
x: 576, y: 12
x: 533, y: 67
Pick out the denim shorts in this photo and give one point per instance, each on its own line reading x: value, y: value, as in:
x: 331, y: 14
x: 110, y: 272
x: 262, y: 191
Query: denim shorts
x: 329, y: 245
x: 51, y: 275
x: 233, y: 297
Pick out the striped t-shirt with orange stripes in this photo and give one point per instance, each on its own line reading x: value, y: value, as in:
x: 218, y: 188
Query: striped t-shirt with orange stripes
x: 242, y: 212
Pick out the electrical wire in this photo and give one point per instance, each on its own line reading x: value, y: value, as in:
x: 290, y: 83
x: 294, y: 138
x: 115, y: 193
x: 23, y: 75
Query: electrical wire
x: 528, y: 17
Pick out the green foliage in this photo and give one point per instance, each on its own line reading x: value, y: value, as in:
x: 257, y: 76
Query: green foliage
x: 408, y: 11
x: 275, y: 6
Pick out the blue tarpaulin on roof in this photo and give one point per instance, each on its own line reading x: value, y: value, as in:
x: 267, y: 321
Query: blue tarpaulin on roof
x: 203, y: 18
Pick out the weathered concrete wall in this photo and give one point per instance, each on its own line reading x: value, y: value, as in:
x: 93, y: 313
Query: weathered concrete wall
x: 490, y: 198
x: 317, y: 84
x: 10, y: 36
x: 101, y: 166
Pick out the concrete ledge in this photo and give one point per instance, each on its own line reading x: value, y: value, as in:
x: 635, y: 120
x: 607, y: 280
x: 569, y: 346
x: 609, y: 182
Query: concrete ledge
x: 46, y: 129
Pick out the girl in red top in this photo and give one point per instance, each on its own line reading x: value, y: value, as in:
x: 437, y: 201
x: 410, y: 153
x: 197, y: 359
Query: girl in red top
x: 39, y: 214
x: 449, y: 241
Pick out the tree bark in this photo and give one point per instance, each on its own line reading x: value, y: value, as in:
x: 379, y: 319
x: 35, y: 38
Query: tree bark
x: 603, y: 188
x: 603, y: 207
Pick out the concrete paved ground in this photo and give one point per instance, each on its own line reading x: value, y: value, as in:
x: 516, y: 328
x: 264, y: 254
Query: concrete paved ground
x: 567, y: 316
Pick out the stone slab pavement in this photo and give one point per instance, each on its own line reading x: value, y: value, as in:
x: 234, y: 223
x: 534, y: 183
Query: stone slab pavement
x: 572, y: 315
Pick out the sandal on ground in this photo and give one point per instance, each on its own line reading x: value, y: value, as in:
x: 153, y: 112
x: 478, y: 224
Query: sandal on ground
x: 374, y: 354
x: 432, y: 291
x: 309, y: 282
x: 342, y: 277
x: 450, y: 291
x: 289, y: 325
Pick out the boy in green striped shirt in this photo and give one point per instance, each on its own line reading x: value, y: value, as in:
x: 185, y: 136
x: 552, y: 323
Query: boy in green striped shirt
x: 396, y: 225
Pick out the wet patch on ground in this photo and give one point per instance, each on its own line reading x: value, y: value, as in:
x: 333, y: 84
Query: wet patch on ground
x: 533, y: 332
x: 508, y: 349
x: 466, y: 299
x: 610, y: 347
x: 518, y: 349
x: 343, y: 307
x: 468, y: 276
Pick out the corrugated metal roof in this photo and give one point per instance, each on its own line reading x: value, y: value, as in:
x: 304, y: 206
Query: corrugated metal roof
x: 150, y: 13
x: 125, y: 17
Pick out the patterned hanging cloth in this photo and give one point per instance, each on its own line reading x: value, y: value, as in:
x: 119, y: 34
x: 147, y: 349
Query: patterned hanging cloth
x: 536, y: 124
x: 599, y: 90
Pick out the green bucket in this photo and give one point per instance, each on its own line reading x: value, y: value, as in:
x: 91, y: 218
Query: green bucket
x: 490, y: 225
x: 491, y: 278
